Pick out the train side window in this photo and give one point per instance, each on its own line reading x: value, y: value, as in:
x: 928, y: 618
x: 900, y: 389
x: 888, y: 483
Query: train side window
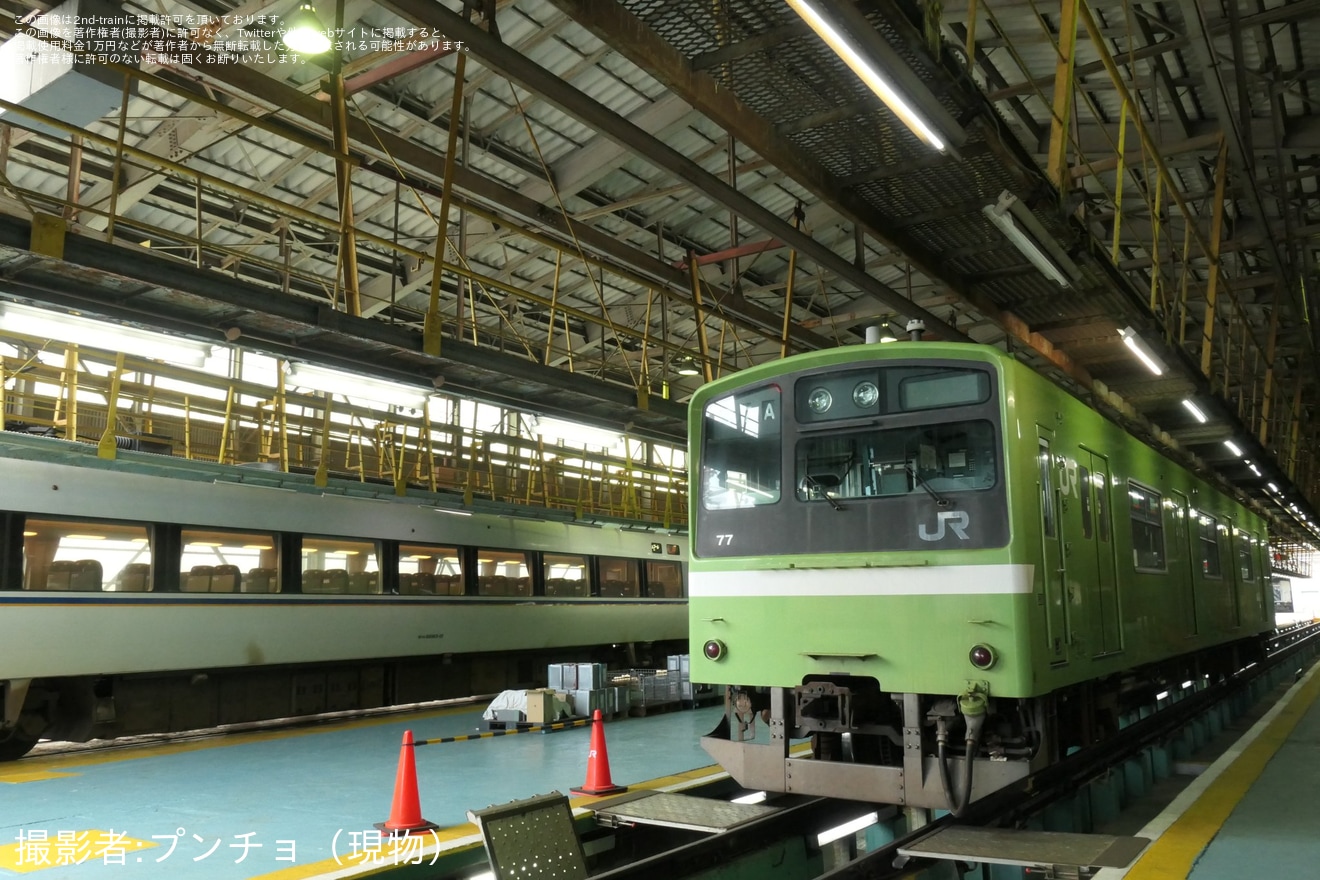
x: 664, y: 580
x: 428, y: 570
x: 1084, y: 488
x: 619, y: 578
x: 1207, y: 533
x: 565, y: 575
x: 1244, y: 547
x: 86, y: 557
x: 215, y: 561
x: 339, y: 565
x: 1044, y: 460
x: 503, y: 573
x: 1146, y: 508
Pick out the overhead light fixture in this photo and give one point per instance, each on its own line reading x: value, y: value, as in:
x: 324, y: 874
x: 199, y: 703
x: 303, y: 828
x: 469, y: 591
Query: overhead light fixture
x: 304, y: 32
x: 362, y: 387
x: 1273, y: 488
x: 852, y: 55
x: 1194, y: 410
x: 1001, y: 216
x: 575, y: 434
x: 102, y: 335
x: 1143, y: 351
x: 687, y: 367
x: 1233, y: 448
x: 841, y: 831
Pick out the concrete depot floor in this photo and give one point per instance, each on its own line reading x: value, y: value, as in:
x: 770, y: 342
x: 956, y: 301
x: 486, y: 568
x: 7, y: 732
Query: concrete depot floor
x: 249, y: 805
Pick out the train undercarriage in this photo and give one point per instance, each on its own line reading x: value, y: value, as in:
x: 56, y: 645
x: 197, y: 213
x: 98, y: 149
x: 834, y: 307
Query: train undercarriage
x: 82, y: 708
x: 935, y: 751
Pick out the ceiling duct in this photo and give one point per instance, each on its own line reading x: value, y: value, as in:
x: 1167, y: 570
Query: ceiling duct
x: 43, y: 77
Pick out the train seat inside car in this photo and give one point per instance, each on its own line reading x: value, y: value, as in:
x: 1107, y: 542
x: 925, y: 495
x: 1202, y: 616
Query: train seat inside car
x: 133, y: 578
x: 197, y: 579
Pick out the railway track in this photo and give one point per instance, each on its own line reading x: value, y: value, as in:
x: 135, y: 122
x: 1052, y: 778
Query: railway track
x: 1009, y: 808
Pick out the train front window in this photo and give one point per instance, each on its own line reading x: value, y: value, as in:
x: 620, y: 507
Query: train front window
x: 934, y: 459
x: 86, y: 557
x: 741, y: 456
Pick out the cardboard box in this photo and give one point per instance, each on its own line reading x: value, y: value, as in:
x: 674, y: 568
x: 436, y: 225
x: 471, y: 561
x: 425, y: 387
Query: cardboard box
x: 541, y: 707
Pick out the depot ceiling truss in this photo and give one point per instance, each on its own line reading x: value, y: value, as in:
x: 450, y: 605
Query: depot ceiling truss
x: 593, y: 150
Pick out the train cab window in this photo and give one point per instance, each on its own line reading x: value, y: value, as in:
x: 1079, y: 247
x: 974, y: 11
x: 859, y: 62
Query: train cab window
x: 1244, y: 548
x: 427, y: 570
x: 503, y: 573
x: 619, y: 578
x: 565, y: 575
x: 664, y: 580
x: 740, y: 465
x: 1207, y: 533
x: 86, y: 557
x: 216, y: 561
x: 1146, y: 508
x: 339, y: 566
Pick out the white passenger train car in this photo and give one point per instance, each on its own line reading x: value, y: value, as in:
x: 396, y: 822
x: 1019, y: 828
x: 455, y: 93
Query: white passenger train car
x: 149, y: 594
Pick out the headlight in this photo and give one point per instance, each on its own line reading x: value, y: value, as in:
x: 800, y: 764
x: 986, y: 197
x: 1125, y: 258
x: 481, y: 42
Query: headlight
x: 865, y: 395
x: 820, y: 401
x: 982, y: 656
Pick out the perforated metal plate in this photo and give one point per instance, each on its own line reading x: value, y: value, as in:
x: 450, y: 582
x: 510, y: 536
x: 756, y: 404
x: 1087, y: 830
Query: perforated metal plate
x: 1042, y: 849
x: 678, y: 811
x: 533, y: 838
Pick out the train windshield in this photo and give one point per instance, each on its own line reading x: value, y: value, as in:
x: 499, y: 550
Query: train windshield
x: 937, y: 459
x: 741, y: 466
x: 885, y: 455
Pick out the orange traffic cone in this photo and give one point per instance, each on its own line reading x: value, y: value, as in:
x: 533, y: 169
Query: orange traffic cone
x: 598, y: 763
x: 406, y: 811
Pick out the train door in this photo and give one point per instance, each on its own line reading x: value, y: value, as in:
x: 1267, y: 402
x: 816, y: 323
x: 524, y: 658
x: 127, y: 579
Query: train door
x: 1180, y: 562
x: 1053, y: 574
x: 1097, y: 530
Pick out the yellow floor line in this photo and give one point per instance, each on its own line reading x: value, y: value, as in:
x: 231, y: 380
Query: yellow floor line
x: 1177, y: 849
x: 25, y: 769
x: 71, y: 848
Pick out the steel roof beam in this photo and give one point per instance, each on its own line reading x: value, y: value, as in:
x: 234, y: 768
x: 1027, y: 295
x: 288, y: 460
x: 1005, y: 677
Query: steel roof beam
x: 570, y: 100
x: 1239, y: 141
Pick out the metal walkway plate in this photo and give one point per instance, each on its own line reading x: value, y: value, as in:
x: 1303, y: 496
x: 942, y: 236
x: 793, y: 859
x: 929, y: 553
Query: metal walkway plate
x: 678, y: 811
x: 1041, y: 849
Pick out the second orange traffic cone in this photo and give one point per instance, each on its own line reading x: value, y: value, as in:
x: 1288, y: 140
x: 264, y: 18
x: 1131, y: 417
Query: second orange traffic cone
x: 598, y: 763
x: 406, y: 811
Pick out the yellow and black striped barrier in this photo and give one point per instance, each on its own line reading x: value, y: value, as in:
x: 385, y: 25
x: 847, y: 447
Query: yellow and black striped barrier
x: 539, y: 728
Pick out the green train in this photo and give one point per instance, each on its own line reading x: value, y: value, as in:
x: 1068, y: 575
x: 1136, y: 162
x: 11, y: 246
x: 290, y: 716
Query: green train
x: 946, y: 572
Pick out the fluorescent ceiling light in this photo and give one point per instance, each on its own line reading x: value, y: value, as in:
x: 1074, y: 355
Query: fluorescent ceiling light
x: 347, y: 385
x: 1233, y: 447
x: 1142, y: 351
x: 102, y: 335
x: 841, y: 831
x: 867, y: 73
x: 1194, y: 410
x: 570, y: 432
x: 304, y: 32
x: 1273, y: 488
x: 1000, y: 216
x: 1162, y: 695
